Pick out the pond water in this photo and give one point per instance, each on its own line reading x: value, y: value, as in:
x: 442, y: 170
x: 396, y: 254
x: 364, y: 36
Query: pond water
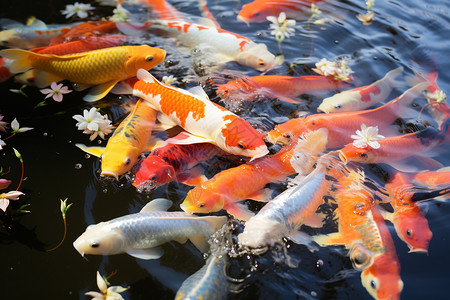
x: 412, y: 34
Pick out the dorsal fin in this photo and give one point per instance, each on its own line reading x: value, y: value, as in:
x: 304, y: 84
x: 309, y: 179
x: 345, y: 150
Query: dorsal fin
x: 199, y: 91
x: 159, y: 204
x: 146, y: 76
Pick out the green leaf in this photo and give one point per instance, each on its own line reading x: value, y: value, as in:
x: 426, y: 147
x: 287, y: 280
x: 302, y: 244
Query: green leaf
x: 19, y: 156
x: 64, y: 207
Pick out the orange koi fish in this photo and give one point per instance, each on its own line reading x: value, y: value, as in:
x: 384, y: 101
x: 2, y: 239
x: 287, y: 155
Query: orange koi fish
x: 162, y: 9
x: 204, y: 121
x: 247, y: 181
x: 395, y: 148
x: 257, y: 10
x: 285, y: 88
x: 129, y: 140
x: 85, y: 30
x: 104, y: 67
x: 362, y: 97
x: 5, y: 74
x: 432, y: 178
x: 342, y: 125
x: 409, y: 222
x: 362, y: 230
x: 173, y: 162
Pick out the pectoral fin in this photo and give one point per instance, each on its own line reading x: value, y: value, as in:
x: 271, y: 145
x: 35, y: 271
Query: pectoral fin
x: 330, y: 239
x: 185, y: 138
x: 94, y: 150
x: 239, y: 211
x: 151, y: 253
x: 43, y: 79
x: 192, y: 177
x: 200, y: 243
x: 263, y: 195
x: 99, y: 91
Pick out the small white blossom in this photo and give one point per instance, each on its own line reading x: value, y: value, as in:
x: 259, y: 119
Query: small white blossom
x: 107, y: 293
x: 367, y: 18
x: 340, y: 69
x: 438, y: 96
x: 120, y: 14
x: 16, y: 127
x: 367, y: 136
x: 56, y: 91
x: 92, y: 122
x: 6, y: 197
x: 2, y: 143
x: 169, y: 79
x: 3, y: 124
x: 281, y: 27
x: 79, y: 9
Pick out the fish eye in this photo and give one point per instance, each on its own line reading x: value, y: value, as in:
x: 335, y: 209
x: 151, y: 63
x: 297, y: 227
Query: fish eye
x: 338, y: 106
x: 201, y: 205
x: 241, y: 146
x: 127, y: 161
x: 95, y: 245
x: 256, y: 14
x: 153, y: 177
x: 288, y: 136
x: 149, y: 58
x: 261, y: 63
x: 373, y: 284
x: 363, y: 155
x: 409, y: 232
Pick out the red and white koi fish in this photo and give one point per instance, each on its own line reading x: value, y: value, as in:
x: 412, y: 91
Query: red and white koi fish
x: 247, y: 181
x: 258, y: 10
x: 342, y: 125
x: 85, y: 30
x: 223, y: 45
x: 204, y: 121
x: 362, y: 97
x: 173, y: 162
x: 285, y: 88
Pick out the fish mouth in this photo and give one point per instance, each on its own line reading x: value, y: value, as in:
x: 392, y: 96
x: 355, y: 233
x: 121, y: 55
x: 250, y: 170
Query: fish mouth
x: 76, y: 246
x: 186, y: 209
x: 320, y: 110
x: 342, y: 157
x: 418, y: 250
x: 242, y: 19
x: 110, y: 174
x: 263, y: 151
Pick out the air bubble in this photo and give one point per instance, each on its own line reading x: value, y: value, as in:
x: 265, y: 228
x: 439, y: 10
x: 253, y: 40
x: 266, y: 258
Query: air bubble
x: 313, y: 294
x: 319, y: 263
x: 78, y: 166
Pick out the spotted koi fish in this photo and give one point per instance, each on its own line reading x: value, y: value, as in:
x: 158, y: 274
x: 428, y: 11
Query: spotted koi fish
x: 362, y: 97
x: 204, y: 121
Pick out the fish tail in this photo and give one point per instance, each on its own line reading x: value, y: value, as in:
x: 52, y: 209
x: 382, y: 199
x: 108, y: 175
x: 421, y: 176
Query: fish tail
x: 391, y: 78
x: 403, y: 102
x: 20, y: 60
x: 215, y: 222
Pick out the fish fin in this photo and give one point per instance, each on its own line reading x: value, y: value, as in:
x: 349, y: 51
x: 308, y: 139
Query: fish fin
x: 199, y: 91
x: 303, y: 238
x: 200, y: 242
x: 94, y: 150
x: 181, y: 239
x: 385, y: 214
x: 122, y: 88
x: 146, y: 76
x: 404, y: 100
x: 153, y: 143
x: 216, y: 222
x: 33, y: 21
x: 166, y: 122
x: 263, y: 195
x: 315, y: 221
x: 193, y: 176
x: 240, y: 211
x: 99, y: 91
x: 20, y: 60
x: 402, y: 166
x: 391, y: 76
x: 185, y: 138
x: 330, y: 239
x: 43, y: 79
x: 81, y: 86
x: 428, y: 162
x: 151, y: 253
x: 159, y: 204
x: 290, y: 100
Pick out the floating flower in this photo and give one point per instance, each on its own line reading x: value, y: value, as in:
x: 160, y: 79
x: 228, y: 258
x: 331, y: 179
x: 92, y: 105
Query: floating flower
x: 6, y: 197
x: 4, y: 183
x: 281, y: 27
x: 367, y: 136
x: 79, y: 9
x: 16, y: 127
x: 2, y: 124
x: 107, y: 293
x: 2, y: 143
x: 120, y: 14
x: 56, y: 91
x: 438, y: 96
x: 104, y: 128
x: 339, y: 70
x: 93, y: 123
x: 367, y: 18
x: 169, y: 79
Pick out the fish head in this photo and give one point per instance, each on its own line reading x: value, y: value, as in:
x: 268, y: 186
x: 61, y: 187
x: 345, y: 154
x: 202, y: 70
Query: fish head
x: 382, y: 279
x: 334, y: 105
x: 100, y: 239
x: 118, y: 159
x: 282, y: 133
x: 255, y: 12
x: 353, y: 153
x: 201, y: 200
x: 143, y: 57
x: 412, y: 227
x: 258, y: 57
x: 153, y: 172
x: 240, y: 138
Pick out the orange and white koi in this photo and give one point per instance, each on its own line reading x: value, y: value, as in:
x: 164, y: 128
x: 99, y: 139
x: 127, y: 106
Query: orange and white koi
x: 257, y: 10
x: 222, y: 44
x: 247, y: 181
x: 342, y: 125
x: 395, y: 148
x: 285, y: 88
x: 362, y: 97
x: 103, y: 68
x: 409, y: 222
x: 204, y: 121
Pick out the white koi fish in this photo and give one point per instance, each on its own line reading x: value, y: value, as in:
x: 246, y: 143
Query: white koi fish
x: 141, y: 234
x: 362, y: 97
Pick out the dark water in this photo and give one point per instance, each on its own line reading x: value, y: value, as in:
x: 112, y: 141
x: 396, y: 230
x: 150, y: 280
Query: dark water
x: 412, y: 34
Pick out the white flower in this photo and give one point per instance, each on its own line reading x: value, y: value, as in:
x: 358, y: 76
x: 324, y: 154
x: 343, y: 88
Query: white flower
x: 79, y: 9
x: 367, y: 18
x: 326, y: 68
x: 281, y: 27
x: 104, y: 128
x: 438, y: 95
x: 343, y: 71
x: 92, y: 122
x: 369, y: 4
x: 367, y: 136
x: 120, y: 14
x: 5, y: 197
x: 16, y: 127
x: 56, y: 91
x: 169, y: 79
x: 2, y: 143
x: 107, y: 293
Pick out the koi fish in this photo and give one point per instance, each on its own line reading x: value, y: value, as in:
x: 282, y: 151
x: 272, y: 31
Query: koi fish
x: 409, y: 222
x: 37, y: 34
x: 104, y: 67
x: 342, y: 125
x: 4, y: 70
x: 395, y: 148
x: 285, y: 88
x: 362, y: 230
x: 128, y: 141
x: 247, y: 181
x: 284, y: 215
x: 84, y: 30
x: 223, y: 45
x: 432, y: 178
x: 173, y: 162
x: 141, y: 234
x: 437, y: 105
x: 362, y: 97
x: 258, y: 10
x: 204, y: 121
